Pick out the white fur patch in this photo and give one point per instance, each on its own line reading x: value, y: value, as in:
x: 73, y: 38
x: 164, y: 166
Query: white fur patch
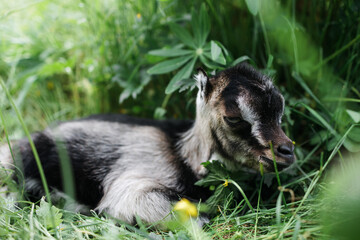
x: 134, y: 185
x: 268, y: 83
x: 201, y: 81
x: 256, y: 133
x: 6, y: 169
x: 249, y: 115
x: 283, y: 108
x: 195, y: 144
x: 246, y: 112
x: 5, y: 156
x: 133, y: 194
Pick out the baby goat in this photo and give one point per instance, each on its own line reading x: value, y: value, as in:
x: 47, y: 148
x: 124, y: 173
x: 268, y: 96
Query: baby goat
x: 131, y: 167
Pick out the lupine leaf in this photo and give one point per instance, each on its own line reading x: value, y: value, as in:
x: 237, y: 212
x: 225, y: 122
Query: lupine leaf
x: 168, y: 65
x: 185, y: 72
x: 200, y: 25
x: 240, y: 60
x: 204, y: 23
x: 183, y: 35
x: 215, y: 51
x: 220, y: 60
x: 173, y: 52
x: 208, y: 63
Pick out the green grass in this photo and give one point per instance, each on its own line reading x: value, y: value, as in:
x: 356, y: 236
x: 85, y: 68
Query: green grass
x: 61, y: 60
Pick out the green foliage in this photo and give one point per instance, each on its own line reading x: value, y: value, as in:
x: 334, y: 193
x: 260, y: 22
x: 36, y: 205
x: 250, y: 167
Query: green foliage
x: 253, y: 6
x: 50, y: 216
x: 223, y: 183
x: 211, y: 54
x: 215, y: 180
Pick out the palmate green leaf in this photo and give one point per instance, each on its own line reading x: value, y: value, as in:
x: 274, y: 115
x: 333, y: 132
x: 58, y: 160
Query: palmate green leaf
x: 169, y: 65
x: 216, y: 167
x: 196, y: 28
x: 240, y: 60
x: 185, y: 84
x: 253, y: 6
x: 217, y: 174
x: 215, y: 51
x: 220, y: 60
x: 224, y: 50
x: 211, y: 179
x: 208, y: 63
x: 173, y: 52
x: 204, y: 23
x: 216, y: 54
x: 185, y: 72
x: 183, y: 35
x: 201, y: 25
x: 216, y: 178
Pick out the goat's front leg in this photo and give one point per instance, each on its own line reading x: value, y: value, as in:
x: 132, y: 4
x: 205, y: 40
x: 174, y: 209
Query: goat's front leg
x: 131, y: 196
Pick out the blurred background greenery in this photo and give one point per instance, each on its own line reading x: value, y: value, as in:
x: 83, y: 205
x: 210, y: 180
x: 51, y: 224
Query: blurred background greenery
x: 64, y: 59
x: 67, y: 59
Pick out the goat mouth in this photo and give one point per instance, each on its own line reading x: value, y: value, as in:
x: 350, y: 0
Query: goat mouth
x: 269, y: 164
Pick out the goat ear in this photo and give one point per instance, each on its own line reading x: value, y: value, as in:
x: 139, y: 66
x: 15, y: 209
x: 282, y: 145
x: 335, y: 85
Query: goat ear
x: 203, y: 83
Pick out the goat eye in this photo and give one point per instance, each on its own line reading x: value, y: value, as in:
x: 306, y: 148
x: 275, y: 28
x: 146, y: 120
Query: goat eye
x: 233, y: 120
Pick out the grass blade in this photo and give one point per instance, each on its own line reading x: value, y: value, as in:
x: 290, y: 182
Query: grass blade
x: 36, y: 155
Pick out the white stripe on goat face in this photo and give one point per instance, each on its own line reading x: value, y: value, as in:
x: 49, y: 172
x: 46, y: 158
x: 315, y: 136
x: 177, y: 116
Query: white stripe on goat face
x: 283, y: 109
x: 246, y: 112
x: 249, y: 115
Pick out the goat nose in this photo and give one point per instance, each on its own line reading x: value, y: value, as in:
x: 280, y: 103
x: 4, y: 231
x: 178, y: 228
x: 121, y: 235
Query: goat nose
x: 286, y: 150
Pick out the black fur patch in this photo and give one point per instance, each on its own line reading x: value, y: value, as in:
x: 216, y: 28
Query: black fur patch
x: 263, y: 97
x: 219, y: 146
x: 173, y: 130
x: 89, y: 169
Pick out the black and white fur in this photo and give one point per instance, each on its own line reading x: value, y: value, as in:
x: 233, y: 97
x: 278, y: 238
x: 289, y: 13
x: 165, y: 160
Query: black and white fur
x: 130, y: 167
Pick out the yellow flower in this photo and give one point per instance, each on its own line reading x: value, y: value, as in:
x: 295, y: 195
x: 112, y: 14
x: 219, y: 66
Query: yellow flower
x: 138, y: 16
x: 226, y: 183
x: 293, y: 142
x: 186, y: 209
